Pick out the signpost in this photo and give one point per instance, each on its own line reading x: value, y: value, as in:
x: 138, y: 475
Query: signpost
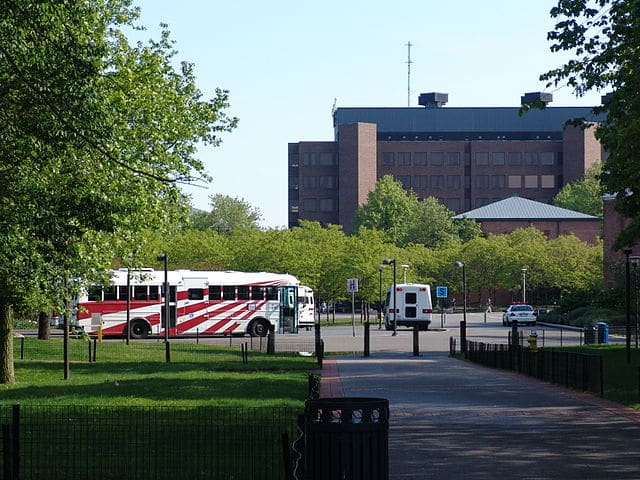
x: 352, y: 287
x: 442, y: 292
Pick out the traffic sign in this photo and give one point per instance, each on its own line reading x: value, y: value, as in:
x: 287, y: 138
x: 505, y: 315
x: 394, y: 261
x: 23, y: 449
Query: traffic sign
x: 441, y: 292
x: 352, y: 285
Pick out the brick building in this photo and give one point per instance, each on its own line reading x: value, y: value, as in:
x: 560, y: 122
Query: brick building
x: 505, y: 216
x: 466, y: 157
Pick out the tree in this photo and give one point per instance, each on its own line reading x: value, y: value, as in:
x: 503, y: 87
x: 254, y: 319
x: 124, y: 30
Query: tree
x: 389, y: 208
x: 227, y: 213
x: 97, y: 136
x: 431, y: 224
x: 585, y: 195
x: 604, y: 38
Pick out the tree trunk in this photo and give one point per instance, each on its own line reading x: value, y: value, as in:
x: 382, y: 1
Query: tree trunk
x: 44, y: 330
x: 7, y: 372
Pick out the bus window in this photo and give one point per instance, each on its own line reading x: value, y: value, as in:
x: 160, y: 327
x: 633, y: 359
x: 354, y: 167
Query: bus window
x: 94, y: 294
x: 140, y: 292
x: 109, y: 293
x: 123, y: 293
x: 257, y: 293
x: 272, y: 293
x: 243, y: 292
x: 411, y: 297
x: 195, y: 294
x: 154, y: 292
x: 229, y: 292
x: 215, y: 292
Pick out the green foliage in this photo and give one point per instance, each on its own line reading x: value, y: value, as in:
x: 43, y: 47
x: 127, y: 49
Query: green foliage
x: 603, y: 36
x: 227, y: 213
x: 584, y: 195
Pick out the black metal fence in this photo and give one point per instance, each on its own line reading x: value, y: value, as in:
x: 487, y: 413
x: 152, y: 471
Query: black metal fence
x: 181, y: 349
x: 75, y: 442
x: 579, y: 371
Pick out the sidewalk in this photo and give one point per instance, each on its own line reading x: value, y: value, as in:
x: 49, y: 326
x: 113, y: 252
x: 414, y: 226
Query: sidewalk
x: 452, y: 419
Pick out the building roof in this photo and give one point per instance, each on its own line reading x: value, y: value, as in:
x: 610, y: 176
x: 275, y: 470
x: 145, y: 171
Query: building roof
x: 463, y: 119
x: 518, y: 208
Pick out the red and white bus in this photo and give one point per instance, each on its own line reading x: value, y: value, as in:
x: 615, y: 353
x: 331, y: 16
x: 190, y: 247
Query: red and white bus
x: 200, y: 302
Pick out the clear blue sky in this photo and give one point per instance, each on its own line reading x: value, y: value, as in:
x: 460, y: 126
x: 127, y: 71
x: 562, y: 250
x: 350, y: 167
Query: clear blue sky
x: 284, y: 63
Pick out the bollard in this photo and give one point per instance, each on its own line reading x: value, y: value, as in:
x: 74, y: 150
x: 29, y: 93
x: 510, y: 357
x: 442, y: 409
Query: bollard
x: 271, y: 342
x: 22, y: 348
x: 94, y: 349
x: 463, y: 336
x: 197, y: 336
x: 416, y: 341
x: 167, y: 352
x: 366, y: 338
x: 100, y: 333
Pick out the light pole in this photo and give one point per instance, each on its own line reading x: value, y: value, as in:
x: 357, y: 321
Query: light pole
x: 165, y: 258
x: 391, y: 261
x: 380, y: 268
x: 627, y: 300
x: 404, y: 278
x: 463, y: 324
x: 524, y: 285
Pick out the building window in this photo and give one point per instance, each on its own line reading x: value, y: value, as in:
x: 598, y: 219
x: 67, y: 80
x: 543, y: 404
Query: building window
x: 309, y: 182
x: 309, y: 159
x: 547, y: 158
x: 482, y: 181
x: 515, y: 181
x: 453, y: 182
x: 530, y: 181
x: 515, y: 159
x: 497, y: 181
x: 437, y: 159
x: 326, y: 159
x: 547, y: 181
x: 309, y: 205
x: 453, y: 159
x: 452, y: 204
x: 387, y: 159
x: 326, y: 181
x: 482, y: 159
x: 420, y: 181
x: 437, y: 181
x: 420, y: 159
x: 326, y: 204
x: 405, y: 180
x: 404, y: 158
x: 530, y: 158
x: 497, y: 158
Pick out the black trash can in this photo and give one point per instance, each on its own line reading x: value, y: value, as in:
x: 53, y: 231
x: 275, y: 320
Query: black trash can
x: 590, y: 335
x: 347, y: 438
x: 603, y: 332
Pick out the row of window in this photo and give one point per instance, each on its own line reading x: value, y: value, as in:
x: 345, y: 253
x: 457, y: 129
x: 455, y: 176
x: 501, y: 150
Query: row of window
x: 453, y: 182
x: 153, y: 293
x: 308, y: 181
x: 321, y: 159
x: 452, y: 159
x: 318, y: 205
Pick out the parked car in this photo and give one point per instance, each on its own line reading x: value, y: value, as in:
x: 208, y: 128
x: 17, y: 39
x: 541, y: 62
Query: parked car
x: 519, y: 314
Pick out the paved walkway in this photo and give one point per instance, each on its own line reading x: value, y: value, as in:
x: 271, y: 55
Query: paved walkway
x: 452, y: 419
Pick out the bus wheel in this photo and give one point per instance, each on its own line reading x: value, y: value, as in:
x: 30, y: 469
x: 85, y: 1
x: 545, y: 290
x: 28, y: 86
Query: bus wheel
x: 259, y: 328
x: 139, y: 329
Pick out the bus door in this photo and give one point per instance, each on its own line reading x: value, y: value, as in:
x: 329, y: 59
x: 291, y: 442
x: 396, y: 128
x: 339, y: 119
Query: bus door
x: 289, y: 309
x: 172, y: 307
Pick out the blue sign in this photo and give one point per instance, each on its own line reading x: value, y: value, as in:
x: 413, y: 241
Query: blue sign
x: 441, y: 292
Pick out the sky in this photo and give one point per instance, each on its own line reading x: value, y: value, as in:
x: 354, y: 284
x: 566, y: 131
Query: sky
x: 285, y: 64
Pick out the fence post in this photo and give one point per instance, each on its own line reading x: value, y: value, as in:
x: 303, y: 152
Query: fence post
x: 167, y: 352
x: 15, y: 441
x: 366, y: 338
x: 22, y: 348
x: 95, y: 348
x: 416, y: 341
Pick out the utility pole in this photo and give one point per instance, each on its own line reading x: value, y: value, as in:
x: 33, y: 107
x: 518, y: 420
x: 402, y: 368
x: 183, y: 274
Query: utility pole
x: 409, y: 62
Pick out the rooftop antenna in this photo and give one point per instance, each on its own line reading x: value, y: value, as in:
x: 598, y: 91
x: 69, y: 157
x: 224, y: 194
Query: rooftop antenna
x: 409, y: 62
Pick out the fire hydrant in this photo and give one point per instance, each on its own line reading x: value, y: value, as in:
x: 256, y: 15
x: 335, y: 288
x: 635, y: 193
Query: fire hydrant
x: 533, y: 341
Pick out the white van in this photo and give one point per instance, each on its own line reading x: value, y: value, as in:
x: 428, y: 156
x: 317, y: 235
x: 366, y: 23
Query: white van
x: 414, y: 306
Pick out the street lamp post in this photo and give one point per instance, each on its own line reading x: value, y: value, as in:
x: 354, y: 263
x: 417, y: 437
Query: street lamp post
x: 627, y: 301
x: 165, y: 259
x: 463, y: 324
x: 380, y: 268
x: 524, y: 285
x: 405, y: 268
x: 391, y: 261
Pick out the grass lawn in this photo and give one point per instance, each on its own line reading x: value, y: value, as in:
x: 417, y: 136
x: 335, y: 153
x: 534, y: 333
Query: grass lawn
x: 621, y: 379
x: 137, y: 375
